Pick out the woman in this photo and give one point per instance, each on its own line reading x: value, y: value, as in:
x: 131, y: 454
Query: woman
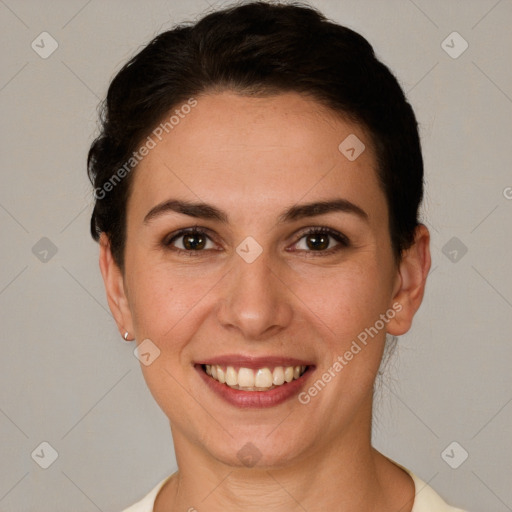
x: 257, y: 182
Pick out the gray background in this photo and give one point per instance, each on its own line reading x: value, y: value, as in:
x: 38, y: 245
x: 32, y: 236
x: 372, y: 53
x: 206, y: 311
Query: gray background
x: 68, y: 379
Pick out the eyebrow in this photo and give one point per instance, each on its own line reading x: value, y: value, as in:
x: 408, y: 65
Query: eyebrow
x: 209, y: 212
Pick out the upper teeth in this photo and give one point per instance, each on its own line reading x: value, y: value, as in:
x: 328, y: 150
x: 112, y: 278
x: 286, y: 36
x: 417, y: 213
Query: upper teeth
x: 260, y: 379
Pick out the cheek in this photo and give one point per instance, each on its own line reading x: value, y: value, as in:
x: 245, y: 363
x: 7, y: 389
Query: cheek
x: 164, y: 307
x: 346, y: 299
x: 168, y: 300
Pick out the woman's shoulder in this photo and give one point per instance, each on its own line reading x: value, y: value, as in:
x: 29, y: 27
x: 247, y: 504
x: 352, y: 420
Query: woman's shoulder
x: 147, y: 503
x: 426, y: 499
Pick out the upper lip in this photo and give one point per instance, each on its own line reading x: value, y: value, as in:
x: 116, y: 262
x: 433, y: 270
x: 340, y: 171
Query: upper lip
x: 253, y: 362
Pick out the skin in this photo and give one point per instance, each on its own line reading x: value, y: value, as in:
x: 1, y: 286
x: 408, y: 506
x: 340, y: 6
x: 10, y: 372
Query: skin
x: 253, y: 158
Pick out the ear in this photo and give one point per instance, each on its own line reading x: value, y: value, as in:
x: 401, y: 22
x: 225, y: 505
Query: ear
x: 412, y: 275
x: 114, y: 286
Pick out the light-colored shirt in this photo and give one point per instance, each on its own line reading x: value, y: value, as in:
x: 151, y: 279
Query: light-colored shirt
x: 426, y: 499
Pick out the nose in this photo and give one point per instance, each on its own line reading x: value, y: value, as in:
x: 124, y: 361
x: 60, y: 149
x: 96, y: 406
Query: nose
x: 256, y: 299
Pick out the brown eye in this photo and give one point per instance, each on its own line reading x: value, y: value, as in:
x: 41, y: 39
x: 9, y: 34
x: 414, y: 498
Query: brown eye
x: 320, y: 240
x: 317, y: 241
x: 194, y: 241
x: 189, y: 240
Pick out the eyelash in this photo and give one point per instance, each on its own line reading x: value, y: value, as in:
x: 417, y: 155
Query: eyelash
x: 343, y: 241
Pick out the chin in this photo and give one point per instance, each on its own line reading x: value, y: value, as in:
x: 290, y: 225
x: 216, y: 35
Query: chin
x: 259, y: 450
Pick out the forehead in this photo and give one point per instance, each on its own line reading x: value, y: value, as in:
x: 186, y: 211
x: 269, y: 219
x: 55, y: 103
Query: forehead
x: 258, y: 151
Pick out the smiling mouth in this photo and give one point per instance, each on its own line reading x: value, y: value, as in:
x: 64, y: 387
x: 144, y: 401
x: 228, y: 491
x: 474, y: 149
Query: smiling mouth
x: 258, y: 379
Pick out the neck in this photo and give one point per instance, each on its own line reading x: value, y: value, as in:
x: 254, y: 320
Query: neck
x: 344, y: 474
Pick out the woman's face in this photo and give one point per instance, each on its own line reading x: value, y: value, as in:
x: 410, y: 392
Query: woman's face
x: 252, y: 289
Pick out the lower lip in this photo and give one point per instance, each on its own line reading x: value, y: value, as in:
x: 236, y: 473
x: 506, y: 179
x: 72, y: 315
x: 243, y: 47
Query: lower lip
x: 255, y: 399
